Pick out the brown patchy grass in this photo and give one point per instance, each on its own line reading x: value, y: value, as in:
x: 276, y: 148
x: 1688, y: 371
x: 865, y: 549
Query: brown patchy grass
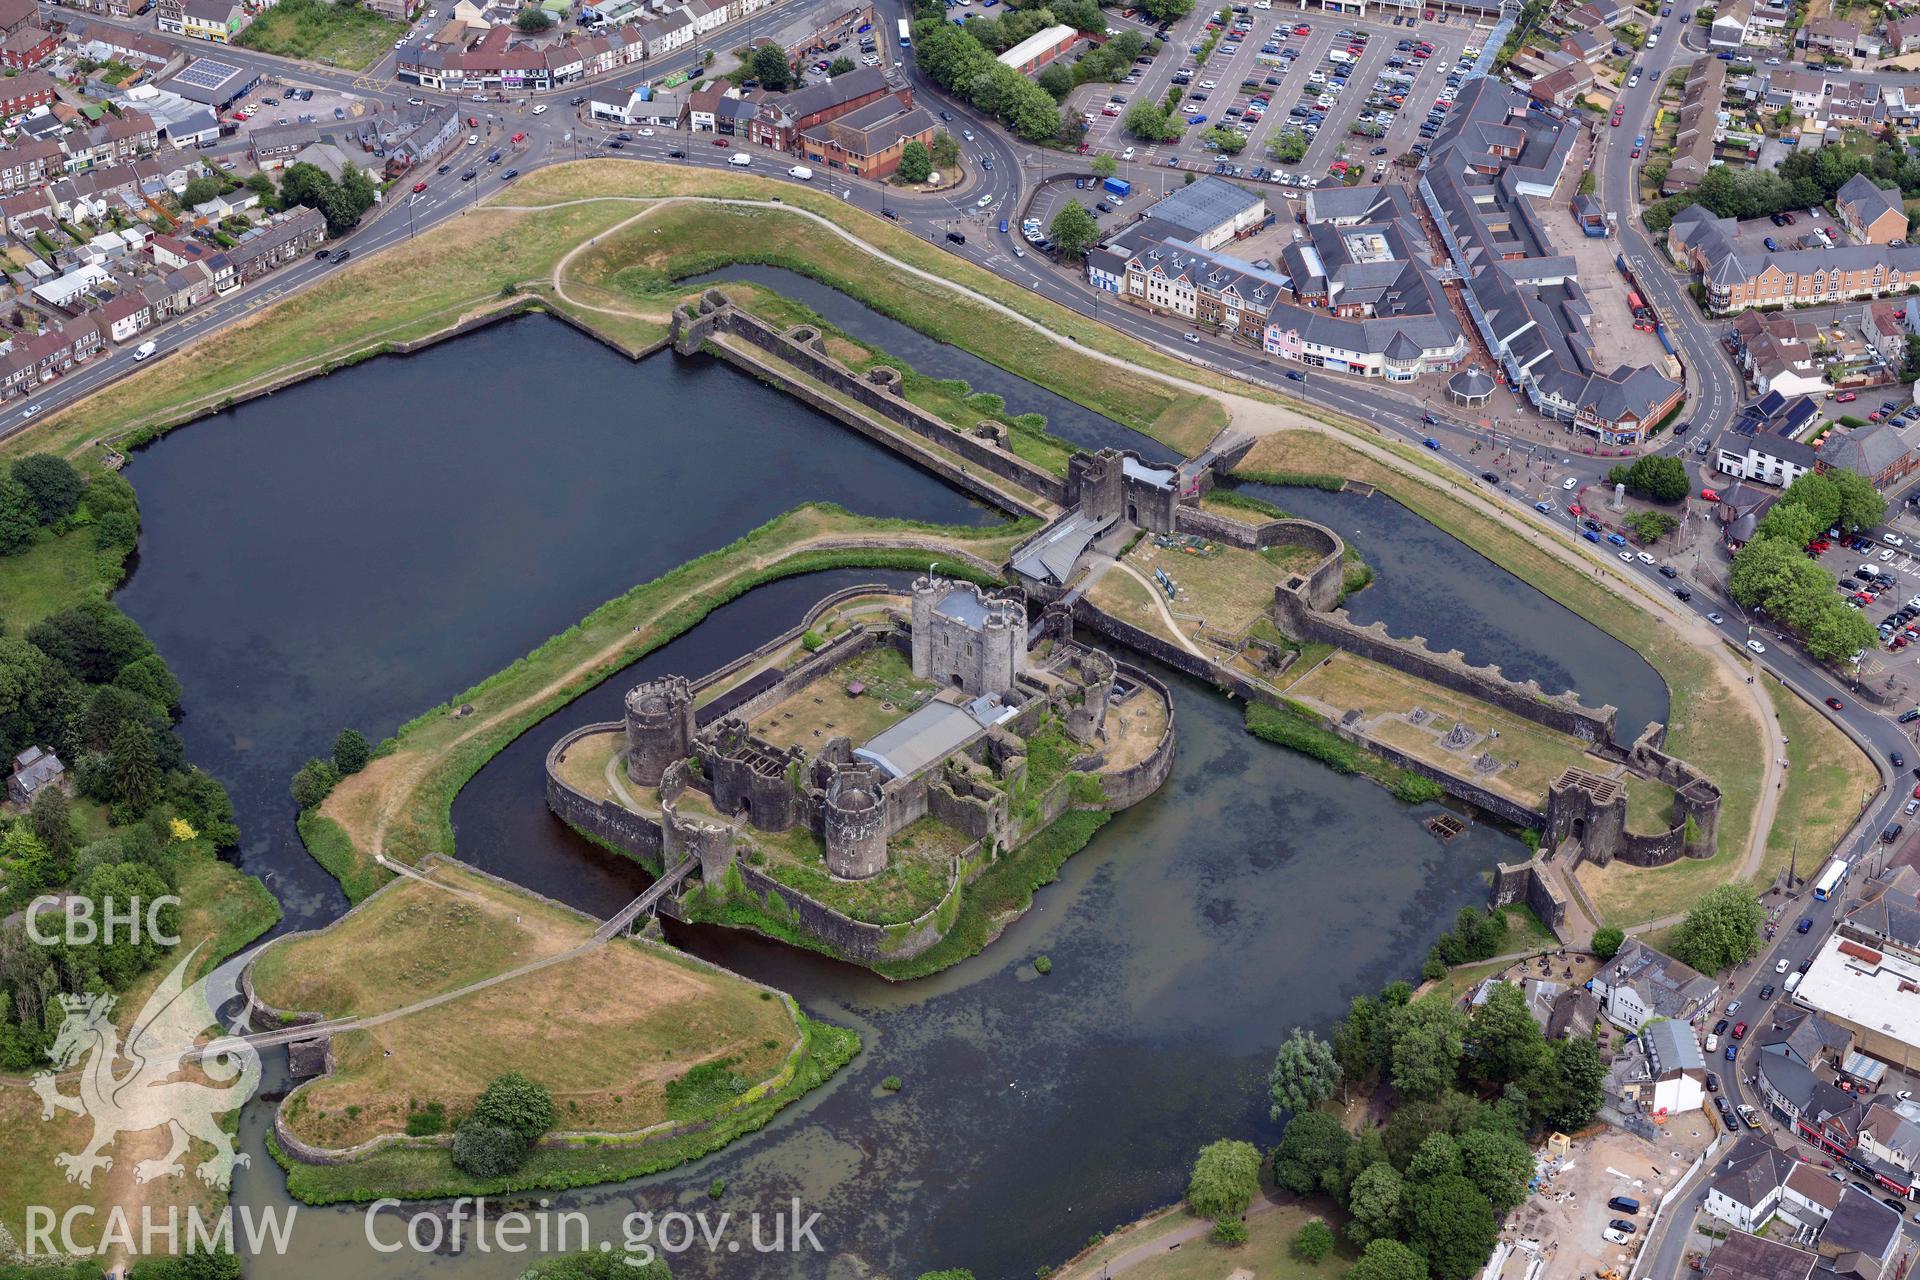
x: 414, y: 940
x: 1228, y: 589
x: 1827, y: 779
x: 824, y: 709
x: 604, y: 1032
x: 584, y: 767
x: 1346, y: 681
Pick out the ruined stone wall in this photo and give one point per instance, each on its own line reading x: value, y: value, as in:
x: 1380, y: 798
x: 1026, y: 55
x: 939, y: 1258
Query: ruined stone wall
x: 634, y: 834
x: 1525, y: 882
x: 1323, y: 583
x: 1125, y: 788
x: 1563, y: 713
x: 877, y: 391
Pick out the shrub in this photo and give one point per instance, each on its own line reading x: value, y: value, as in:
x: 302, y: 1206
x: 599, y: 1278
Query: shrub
x: 314, y: 782
x: 426, y: 1121
x: 891, y: 1084
x: 1230, y: 1232
x: 488, y: 1151
x: 1606, y: 941
x: 1042, y: 964
x: 351, y: 752
x: 812, y: 640
x: 515, y: 1103
x: 1313, y: 1242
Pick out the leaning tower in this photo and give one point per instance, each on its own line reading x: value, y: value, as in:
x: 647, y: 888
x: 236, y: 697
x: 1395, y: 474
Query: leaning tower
x: 659, y: 727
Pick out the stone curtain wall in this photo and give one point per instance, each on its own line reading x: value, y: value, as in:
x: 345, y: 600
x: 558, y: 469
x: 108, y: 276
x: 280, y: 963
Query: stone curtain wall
x: 1523, y: 882
x: 877, y: 391
x: 1323, y: 583
x: 634, y: 834
x: 1563, y: 714
x: 1125, y: 788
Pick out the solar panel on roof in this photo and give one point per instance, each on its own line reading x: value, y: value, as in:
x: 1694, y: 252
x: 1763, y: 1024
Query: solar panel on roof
x: 206, y: 73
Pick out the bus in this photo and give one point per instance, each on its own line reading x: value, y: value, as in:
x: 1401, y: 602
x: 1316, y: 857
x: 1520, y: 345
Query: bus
x: 1830, y: 879
x: 906, y: 41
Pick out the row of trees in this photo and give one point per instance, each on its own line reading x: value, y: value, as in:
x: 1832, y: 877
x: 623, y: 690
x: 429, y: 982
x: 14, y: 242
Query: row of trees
x: 496, y: 1137
x: 1807, y: 178
x: 960, y: 64
x: 1773, y: 573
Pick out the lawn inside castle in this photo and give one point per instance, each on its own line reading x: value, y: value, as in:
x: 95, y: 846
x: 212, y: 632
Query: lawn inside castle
x: 1503, y: 752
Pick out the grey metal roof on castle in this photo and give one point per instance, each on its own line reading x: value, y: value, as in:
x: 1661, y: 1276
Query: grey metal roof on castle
x: 1493, y: 154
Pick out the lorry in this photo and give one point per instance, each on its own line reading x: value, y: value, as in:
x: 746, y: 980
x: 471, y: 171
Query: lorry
x: 801, y: 172
x: 1118, y: 187
x: 144, y: 350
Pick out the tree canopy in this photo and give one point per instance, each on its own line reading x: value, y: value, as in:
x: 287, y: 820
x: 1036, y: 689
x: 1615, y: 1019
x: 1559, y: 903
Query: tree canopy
x: 1313, y: 1145
x: 1073, y: 229
x: 1304, y: 1074
x: 916, y: 163
x: 1720, y: 930
x: 1225, y: 1177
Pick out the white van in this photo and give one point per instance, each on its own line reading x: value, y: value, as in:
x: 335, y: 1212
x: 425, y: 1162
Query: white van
x: 1341, y: 56
x: 1793, y: 980
x: 144, y: 350
x: 801, y: 172
x: 740, y: 158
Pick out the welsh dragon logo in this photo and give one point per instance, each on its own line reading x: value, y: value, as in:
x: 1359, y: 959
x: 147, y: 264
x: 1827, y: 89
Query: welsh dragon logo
x: 160, y: 1086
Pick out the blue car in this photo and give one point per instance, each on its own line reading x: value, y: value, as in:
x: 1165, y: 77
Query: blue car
x: 1616, y: 540
x: 1003, y: 226
x: 1430, y: 442
x: 1199, y: 119
x: 1732, y: 1050
x: 1590, y: 535
x: 1544, y: 508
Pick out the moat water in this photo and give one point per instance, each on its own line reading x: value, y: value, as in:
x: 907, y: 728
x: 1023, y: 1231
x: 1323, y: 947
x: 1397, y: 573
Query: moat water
x: 1427, y: 583
x: 1065, y: 419
x: 357, y: 549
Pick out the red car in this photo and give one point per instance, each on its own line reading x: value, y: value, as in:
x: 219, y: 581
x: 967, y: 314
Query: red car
x: 1616, y: 122
x: 1709, y: 495
x: 1739, y: 1030
x: 1845, y: 397
x: 1836, y: 704
x: 517, y: 139
x: 1635, y: 155
x: 720, y: 142
x: 418, y: 187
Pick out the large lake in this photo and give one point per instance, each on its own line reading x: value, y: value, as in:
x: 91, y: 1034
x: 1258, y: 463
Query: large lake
x: 360, y: 548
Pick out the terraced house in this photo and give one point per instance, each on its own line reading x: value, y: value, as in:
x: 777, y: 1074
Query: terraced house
x: 1356, y: 295
x: 1493, y: 158
x: 1737, y: 278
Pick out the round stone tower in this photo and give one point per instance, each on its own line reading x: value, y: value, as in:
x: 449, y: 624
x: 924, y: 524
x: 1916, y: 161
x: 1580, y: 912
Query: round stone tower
x: 854, y: 818
x: 659, y: 727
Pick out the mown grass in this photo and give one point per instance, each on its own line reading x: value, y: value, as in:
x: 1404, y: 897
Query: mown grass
x: 55, y: 573
x: 1827, y: 781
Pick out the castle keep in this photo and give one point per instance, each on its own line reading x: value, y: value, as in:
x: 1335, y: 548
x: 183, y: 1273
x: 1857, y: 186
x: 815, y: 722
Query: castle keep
x: 856, y: 785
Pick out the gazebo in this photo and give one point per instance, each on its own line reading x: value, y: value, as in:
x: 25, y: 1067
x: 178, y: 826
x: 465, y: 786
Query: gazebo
x: 1471, y: 387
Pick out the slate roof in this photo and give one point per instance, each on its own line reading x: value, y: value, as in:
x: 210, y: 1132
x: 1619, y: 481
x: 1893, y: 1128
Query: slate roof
x: 1866, y: 451
x: 1751, y: 1172
x: 1868, y: 199
x: 1670, y: 989
x: 1861, y: 1224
